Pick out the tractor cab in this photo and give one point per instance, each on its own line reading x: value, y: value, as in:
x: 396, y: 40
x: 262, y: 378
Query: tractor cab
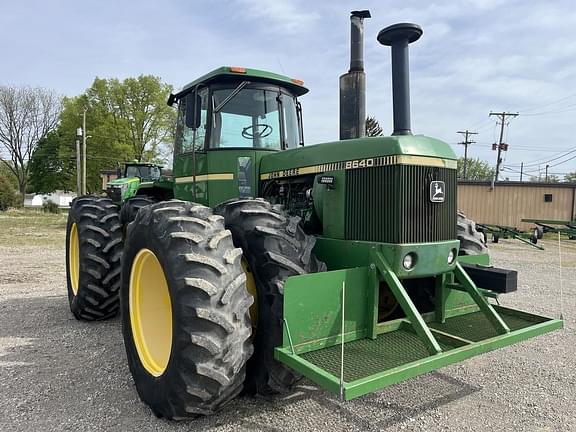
x: 144, y: 171
x: 136, y: 177
x: 248, y: 112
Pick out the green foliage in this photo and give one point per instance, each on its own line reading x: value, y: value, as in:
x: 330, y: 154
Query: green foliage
x: 125, y: 120
x: 8, y: 196
x: 48, y: 170
x: 8, y: 174
x: 373, y: 128
x: 570, y: 177
x: 551, y: 179
x: 476, y: 169
x: 50, y: 207
x: 138, y: 110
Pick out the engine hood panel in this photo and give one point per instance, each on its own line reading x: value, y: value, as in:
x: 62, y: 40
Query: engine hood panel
x: 407, y: 149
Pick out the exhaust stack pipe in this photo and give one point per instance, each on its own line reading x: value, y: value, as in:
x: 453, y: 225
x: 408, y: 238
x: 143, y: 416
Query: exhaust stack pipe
x: 398, y: 36
x: 353, y: 83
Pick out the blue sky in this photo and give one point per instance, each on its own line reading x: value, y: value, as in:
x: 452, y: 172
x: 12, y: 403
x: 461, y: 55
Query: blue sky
x: 474, y: 57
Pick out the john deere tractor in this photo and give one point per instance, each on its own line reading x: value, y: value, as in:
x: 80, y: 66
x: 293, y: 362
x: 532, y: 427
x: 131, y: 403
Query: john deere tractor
x: 345, y: 262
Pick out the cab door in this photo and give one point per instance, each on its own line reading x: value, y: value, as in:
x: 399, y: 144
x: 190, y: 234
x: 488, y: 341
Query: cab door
x: 190, y: 160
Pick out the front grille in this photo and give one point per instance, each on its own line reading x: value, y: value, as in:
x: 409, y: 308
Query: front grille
x: 114, y: 193
x: 391, y: 204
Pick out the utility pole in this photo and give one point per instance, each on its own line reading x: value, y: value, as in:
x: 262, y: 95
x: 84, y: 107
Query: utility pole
x: 466, y: 143
x: 501, y: 146
x: 547, y: 172
x: 84, y: 152
x: 521, y: 170
x: 78, y: 163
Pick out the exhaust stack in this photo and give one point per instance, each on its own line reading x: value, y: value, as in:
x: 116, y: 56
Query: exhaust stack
x: 353, y: 83
x: 398, y: 36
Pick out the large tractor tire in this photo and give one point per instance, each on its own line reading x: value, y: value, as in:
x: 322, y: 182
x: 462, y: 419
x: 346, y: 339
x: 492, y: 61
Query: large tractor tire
x: 275, y: 248
x: 184, y: 303
x: 93, y: 252
x: 131, y: 207
x: 472, y: 241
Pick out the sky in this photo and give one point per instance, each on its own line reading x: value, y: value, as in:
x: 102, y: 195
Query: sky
x: 473, y: 58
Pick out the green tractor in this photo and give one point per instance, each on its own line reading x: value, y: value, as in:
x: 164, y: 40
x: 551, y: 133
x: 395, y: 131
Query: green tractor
x: 136, y: 175
x: 344, y: 262
x: 141, y: 184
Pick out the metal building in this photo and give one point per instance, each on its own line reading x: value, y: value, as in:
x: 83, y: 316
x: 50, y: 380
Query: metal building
x: 510, y: 201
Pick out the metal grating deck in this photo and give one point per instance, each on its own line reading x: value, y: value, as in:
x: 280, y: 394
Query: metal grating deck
x: 365, y: 357
x: 476, y: 327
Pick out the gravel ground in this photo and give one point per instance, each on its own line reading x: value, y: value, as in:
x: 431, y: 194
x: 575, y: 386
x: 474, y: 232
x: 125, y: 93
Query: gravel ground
x: 57, y: 373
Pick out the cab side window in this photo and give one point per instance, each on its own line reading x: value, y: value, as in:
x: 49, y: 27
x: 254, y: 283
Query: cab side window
x: 186, y: 137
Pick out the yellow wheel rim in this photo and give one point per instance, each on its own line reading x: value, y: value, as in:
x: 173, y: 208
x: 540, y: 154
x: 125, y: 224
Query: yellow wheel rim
x: 251, y: 287
x: 74, y: 259
x: 150, y: 312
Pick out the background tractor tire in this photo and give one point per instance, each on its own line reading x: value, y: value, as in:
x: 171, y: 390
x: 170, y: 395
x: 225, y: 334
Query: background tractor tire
x: 209, y: 327
x: 472, y: 241
x: 93, y: 251
x: 275, y: 247
x: 131, y: 206
x: 538, y: 232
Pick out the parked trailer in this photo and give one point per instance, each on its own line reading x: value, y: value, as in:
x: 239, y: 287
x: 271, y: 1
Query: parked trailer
x: 555, y: 226
x: 501, y: 231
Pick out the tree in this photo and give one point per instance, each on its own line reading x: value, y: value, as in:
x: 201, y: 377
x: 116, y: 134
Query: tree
x: 373, y: 128
x: 138, y: 110
x: 104, y: 146
x: 8, y: 196
x: 8, y: 174
x: 26, y: 116
x: 125, y: 120
x: 542, y: 179
x: 570, y: 177
x: 48, y: 170
x: 477, y: 169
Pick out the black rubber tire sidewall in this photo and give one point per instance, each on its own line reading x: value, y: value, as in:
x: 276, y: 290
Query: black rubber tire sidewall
x: 265, y: 375
x: 102, y: 301
x: 168, y: 395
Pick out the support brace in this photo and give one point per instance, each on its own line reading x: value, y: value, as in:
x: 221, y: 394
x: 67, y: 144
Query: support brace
x: 420, y: 327
x: 480, y: 300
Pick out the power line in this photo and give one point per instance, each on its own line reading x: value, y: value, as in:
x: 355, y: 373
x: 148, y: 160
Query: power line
x: 567, y: 160
x: 541, y: 162
x: 552, y: 102
x: 555, y: 111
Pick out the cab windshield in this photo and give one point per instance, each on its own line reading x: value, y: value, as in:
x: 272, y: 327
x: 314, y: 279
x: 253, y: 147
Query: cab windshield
x: 256, y: 118
x: 145, y: 172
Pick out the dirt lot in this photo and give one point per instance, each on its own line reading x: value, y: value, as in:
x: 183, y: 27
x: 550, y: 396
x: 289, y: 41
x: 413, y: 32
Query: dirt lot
x: 60, y: 374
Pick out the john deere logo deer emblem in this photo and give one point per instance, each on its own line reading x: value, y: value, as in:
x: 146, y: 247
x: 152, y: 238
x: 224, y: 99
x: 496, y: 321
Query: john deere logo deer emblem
x: 437, y: 189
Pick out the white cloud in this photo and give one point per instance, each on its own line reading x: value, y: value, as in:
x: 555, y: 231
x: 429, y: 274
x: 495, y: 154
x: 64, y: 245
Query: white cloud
x: 277, y: 15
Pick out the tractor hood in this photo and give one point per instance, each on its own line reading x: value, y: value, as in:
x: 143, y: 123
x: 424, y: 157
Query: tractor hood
x: 417, y: 149
x: 123, y: 180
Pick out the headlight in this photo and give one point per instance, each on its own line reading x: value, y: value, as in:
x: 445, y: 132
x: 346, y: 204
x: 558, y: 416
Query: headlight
x: 451, y: 256
x: 409, y: 261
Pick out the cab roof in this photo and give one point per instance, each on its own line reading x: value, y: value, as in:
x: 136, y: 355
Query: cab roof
x: 224, y: 73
